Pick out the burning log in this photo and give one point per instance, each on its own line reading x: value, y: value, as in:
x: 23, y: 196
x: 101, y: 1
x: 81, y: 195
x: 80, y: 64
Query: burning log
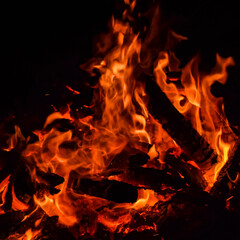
x: 50, y: 179
x: 191, y: 174
x: 14, y: 226
x: 181, y: 130
x: 176, y: 174
x: 51, y: 230
x: 48, y: 183
x: 187, y: 213
x: 16, y: 223
x: 8, y: 221
x: 129, y: 158
x: 109, y: 189
x: 155, y: 179
x: 138, y: 159
x: 130, y: 170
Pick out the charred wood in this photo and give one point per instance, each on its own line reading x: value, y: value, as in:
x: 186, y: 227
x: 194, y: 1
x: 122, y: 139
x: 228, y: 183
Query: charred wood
x: 50, y: 179
x: 8, y: 221
x: 52, y: 230
x: 155, y: 179
x: 181, y: 130
x: 138, y: 159
x: 48, y: 182
x: 108, y: 189
x: 131, y: 158
x: 13, y: 224
x: 191, y: 174
x: 185, y: 216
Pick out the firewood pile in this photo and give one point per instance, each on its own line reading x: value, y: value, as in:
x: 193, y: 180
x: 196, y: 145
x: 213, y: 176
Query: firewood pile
x: 190, y: 212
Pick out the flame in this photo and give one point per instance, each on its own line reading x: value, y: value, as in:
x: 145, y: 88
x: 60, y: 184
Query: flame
x: 121, y: 122
x: 13, y: 139
x: 17, y: 204
x: 145, y: 197
x: 121, y: 119
x: 3, y: 190
x: 195, y: 101
x: 28, y: 235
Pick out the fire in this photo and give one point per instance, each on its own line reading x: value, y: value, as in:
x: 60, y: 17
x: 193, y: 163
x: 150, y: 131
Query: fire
x: 87, y: 147
x: 12, y: 139
x: 3, y: 190
x: 17, y: 204
x: 28, y: 235
x: 195, y: 101
x: 146, y: 197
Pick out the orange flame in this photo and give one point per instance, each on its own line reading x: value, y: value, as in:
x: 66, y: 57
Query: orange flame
x: 196, y: 102
x: 17, y: 204
x: 124, y: 120
x: 3, y: 190
x: 145, y: 197
x: 13, y: 139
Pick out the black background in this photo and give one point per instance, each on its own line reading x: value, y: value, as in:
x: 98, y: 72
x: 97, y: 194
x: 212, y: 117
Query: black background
x: 43, y: 46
